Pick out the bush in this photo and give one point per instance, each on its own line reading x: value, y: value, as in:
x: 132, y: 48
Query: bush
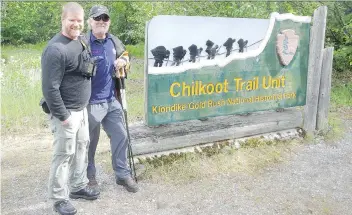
x: 136, y: 51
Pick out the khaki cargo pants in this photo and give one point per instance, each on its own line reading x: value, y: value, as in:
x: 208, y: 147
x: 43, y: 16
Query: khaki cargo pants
x: 68, y: 172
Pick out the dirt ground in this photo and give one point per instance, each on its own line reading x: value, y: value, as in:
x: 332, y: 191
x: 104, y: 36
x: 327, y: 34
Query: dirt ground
x: 315, y: 179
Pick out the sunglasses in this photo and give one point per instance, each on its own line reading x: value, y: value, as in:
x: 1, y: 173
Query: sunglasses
x: 103, y: 17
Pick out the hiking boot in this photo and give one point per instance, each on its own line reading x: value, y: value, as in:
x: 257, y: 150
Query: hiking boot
x: 64, y: 207
x: 87, y: 193
x: 129, y: 184
x: 92, y: 181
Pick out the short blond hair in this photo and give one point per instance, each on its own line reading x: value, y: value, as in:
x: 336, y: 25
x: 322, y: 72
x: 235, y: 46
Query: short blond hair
x: 70, y: 7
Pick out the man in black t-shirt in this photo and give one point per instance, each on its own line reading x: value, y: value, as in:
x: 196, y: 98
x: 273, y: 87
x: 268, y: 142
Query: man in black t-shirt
x: 66, y: 88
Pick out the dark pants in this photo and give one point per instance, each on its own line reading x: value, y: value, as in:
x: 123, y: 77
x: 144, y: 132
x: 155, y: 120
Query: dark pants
x: 110, y: 115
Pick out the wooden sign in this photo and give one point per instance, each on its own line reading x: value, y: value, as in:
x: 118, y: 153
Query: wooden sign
x: 195, y: 70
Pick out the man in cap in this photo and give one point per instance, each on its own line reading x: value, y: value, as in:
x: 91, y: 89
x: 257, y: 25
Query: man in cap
x: 104, y: 109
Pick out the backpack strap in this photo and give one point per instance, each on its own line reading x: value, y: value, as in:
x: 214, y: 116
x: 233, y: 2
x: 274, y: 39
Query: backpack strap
x: 83, y: 40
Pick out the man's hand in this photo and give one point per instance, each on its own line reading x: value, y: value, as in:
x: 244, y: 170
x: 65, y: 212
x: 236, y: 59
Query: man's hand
x: 119, y: 67
x: 67, y: 121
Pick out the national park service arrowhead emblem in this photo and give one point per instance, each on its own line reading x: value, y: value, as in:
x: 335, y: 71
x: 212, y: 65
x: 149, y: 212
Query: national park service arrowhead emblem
x: 286, y: 46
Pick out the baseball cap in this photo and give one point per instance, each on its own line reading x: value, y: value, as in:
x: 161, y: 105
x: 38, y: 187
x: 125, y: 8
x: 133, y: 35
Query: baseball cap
x: 98, y: 10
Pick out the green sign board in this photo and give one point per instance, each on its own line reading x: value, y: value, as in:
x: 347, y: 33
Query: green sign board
x: 271, y: 76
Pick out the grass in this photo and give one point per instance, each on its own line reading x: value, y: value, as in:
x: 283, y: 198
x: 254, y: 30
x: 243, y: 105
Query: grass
x: 340, y: 101
x: 341, y: 94
x: 341, y: 91
x: 21, y: 89
x: 254, y: 156
x: 136, y: 51
x: 135, y: 92
x: 336, y: 127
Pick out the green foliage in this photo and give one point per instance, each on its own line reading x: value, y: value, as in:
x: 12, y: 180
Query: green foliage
x: 136, y: 50
x: 135, y: 91
x: 29, y: 22
x: 184, y: 167
x: 21, y: 91
x: 33, y: 22
x: 202, y: 152
x: 158, y: 161
x: 259, y: 142
x: 341, y: 95
x: 339, y: 34
x: 335, y: 129
x: 215, y: 149
x: 343, y: 59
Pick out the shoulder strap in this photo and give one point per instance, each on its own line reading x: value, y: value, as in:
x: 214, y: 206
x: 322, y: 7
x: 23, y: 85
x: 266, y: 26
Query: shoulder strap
x: 119, y: 46
x: 83, y: 40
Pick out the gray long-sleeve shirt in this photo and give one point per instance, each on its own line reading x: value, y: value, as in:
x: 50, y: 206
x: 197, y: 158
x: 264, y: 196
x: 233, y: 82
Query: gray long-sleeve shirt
x: 63, y: 86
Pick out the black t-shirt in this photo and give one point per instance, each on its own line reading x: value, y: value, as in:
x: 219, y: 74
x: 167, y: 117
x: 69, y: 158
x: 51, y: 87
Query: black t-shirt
x: 63, y: 86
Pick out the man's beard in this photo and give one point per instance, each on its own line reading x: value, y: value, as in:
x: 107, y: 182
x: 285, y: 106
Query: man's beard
x: 101, y: 30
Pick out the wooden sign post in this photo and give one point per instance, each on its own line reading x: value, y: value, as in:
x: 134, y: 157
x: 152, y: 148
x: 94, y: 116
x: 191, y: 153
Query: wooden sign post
x: 194, y: 98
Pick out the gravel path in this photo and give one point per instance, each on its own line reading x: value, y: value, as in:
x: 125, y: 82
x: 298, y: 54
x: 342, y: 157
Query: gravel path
x: 316, y: 179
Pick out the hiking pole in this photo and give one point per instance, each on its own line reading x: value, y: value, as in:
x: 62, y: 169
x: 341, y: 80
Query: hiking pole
x: 123, y: 103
